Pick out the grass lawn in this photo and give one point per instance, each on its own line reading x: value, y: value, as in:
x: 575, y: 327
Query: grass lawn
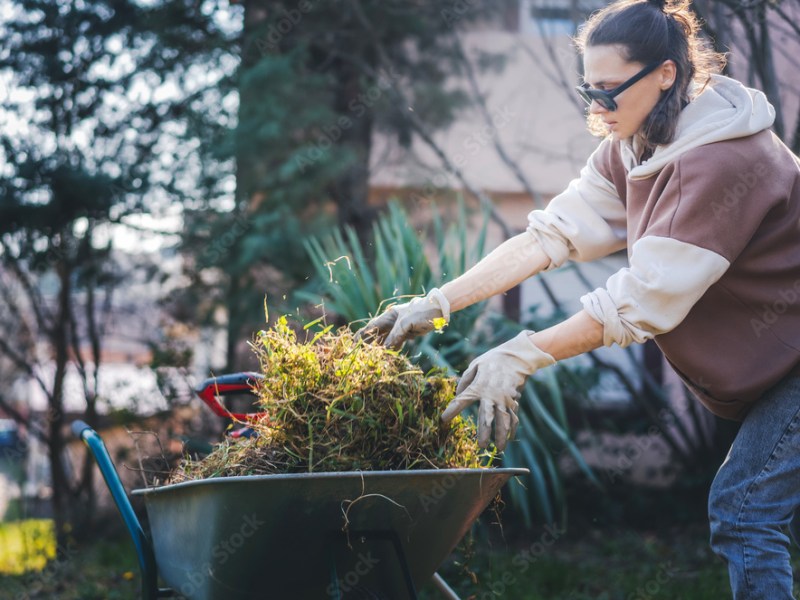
x: 108, y: 570
x: 598, y: 565
x: 581, y: 565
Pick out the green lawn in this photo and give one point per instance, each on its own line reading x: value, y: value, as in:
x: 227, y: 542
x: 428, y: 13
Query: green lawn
x: 598, y: 565
x: 581, y: 565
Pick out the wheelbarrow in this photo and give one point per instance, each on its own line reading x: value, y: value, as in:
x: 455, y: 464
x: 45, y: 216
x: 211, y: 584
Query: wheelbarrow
x: 306, y: 536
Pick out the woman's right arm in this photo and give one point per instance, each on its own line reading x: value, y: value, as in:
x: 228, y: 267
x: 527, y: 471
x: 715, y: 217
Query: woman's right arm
x: 585, y: 222
x: 511, y: 263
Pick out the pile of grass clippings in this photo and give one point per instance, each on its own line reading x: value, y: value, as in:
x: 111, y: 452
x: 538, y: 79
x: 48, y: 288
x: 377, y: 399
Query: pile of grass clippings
x: 335, y: 403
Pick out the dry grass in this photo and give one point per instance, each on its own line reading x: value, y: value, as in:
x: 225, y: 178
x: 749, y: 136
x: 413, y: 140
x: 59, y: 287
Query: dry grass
x: 335, y: 403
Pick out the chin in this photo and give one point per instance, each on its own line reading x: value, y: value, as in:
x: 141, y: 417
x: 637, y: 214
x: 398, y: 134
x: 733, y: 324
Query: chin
x: 618, y: 135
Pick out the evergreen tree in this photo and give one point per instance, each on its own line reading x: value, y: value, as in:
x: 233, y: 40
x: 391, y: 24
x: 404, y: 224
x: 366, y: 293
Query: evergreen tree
x: 317, y: 79
x: 99, y: 94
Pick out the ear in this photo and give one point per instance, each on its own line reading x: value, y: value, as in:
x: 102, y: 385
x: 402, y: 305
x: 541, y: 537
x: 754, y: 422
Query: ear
x: 667, y: 73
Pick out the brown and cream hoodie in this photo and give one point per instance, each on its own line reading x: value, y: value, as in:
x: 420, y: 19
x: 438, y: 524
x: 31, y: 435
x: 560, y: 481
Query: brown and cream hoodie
x: 711, y: 223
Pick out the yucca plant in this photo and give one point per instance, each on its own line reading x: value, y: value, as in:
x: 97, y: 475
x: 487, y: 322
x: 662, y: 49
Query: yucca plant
x: 355, y: 287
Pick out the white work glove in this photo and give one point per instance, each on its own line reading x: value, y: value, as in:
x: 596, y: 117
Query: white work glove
x: 495, y: 379
x: 405, y: 321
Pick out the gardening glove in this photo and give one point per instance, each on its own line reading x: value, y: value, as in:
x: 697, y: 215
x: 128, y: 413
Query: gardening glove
x: 406, y: 321
x: 495, y: 379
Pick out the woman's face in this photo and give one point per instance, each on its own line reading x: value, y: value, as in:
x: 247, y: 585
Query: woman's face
x: 605, y: 67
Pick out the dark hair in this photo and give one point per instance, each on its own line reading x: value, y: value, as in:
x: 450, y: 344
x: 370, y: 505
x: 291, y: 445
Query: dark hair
x: 651, y: 31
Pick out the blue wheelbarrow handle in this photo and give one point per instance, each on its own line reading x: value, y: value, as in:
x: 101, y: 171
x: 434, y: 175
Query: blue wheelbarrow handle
x: 144, y: 549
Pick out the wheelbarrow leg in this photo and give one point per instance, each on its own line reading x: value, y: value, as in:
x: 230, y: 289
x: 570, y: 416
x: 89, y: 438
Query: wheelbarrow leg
x: 144, y: 550
x: 446, y: 590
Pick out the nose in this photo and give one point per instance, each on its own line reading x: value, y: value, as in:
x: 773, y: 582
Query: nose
x: 596, y: 108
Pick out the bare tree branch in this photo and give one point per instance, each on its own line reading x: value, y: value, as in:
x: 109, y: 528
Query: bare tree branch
x: 786, y: 18
x: 559, y: 78
x: 38, y: 305
x: 25, y: 336
x: 759, y: 41
x: 401, y: 103
x: 484, y: 110
x: 22, y: 420
x: 23, y: 365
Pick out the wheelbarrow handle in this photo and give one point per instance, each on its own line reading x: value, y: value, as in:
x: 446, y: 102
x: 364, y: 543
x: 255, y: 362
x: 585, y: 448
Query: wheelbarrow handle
x: 144, y: 549
x: 227, y: 385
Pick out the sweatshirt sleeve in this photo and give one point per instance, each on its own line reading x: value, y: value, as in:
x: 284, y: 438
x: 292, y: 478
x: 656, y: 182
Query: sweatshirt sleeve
x: 696, y: 228
x: 586, y: 221
x: 666, y: 277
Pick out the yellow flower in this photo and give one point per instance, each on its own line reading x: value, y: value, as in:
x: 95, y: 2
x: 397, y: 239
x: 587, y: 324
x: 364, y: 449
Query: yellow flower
x: 439, y: 323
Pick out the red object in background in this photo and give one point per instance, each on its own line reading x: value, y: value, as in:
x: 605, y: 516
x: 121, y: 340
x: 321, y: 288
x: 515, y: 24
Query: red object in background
x: 212, y: 389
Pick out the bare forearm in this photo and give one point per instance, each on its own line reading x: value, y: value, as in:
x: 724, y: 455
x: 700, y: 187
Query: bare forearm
x: 578, y: 334
x: 509, y: 264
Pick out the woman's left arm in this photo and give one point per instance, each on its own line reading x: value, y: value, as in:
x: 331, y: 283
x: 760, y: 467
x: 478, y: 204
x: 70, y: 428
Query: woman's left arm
x: 495, y: 378
x: 579, y: 334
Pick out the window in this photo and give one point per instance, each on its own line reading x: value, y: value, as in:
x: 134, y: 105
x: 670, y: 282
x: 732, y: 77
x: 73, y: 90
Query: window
x: 550, y: 18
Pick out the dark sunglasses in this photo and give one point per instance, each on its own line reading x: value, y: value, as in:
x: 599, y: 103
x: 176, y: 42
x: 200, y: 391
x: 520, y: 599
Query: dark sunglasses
x: 606, y: 98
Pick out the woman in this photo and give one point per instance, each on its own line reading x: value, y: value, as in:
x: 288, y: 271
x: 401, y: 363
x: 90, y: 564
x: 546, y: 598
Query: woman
x: 707, y: 202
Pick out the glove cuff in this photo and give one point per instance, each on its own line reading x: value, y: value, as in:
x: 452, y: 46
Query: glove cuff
x: 530, y: 353
x: 436, y: 297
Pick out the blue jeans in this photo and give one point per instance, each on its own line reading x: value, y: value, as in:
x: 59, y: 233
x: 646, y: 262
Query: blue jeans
x: 755, y: 495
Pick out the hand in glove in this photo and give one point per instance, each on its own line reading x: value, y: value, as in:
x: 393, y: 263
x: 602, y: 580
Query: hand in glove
x: 495, y: 379
x: 406, y: 321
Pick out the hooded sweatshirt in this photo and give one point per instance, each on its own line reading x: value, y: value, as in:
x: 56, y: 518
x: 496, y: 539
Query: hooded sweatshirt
x: 711, y: 223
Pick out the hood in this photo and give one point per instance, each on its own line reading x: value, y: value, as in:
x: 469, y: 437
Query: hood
x: 724, y: 110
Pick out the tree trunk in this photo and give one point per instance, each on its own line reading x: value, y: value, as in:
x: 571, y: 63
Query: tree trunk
x: 350, y: 192
x: 234, y: 324
x: 768, y: 75
x: 61, y: 489
x: 86, y: 496
x: 250, y: 168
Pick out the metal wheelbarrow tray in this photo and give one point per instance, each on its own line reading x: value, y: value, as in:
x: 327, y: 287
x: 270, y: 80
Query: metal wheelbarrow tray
x: 351, y: 535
